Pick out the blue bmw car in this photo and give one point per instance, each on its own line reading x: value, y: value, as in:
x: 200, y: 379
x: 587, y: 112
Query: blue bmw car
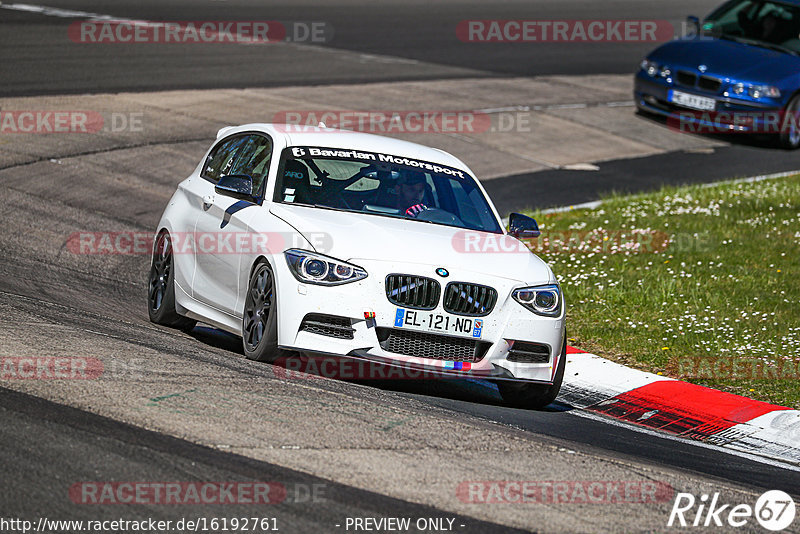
x: 739, y: 72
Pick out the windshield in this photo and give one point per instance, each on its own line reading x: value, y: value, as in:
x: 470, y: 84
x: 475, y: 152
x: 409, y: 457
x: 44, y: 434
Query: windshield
x: 382, y: 185
x: 773, y: 25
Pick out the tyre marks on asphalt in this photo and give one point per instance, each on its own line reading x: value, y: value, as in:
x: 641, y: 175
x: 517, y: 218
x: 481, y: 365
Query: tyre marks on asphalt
x: 121, y: 453
x: 363, y: 436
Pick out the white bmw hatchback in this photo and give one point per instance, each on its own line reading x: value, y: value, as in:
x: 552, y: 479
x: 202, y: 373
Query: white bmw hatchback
x: 329, y: 242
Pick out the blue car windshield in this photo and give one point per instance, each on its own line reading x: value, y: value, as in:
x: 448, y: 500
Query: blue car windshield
x: 773, y: 25
x: 383, y: 185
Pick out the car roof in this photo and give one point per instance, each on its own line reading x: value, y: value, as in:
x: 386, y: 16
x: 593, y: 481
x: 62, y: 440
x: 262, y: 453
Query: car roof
x: 295, y: 135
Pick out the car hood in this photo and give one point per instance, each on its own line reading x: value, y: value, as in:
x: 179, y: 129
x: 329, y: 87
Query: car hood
x: 728, y: 59
x: 353, y: 236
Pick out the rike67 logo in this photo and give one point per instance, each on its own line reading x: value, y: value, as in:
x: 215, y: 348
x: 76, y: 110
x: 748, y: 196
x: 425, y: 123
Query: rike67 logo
x: 774, y: 510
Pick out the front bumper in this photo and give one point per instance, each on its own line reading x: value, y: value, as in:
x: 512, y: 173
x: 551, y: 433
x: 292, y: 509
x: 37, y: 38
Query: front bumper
x: 651, y: 95
x: 507, y: 324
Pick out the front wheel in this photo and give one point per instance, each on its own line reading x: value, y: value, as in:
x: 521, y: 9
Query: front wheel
x: 260, y: 319
x: 534, y: 396
x: 161, y: 287
x: 789, y: 138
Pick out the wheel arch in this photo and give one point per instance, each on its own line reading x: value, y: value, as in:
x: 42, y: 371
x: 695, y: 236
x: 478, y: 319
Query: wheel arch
x: 794, y: 95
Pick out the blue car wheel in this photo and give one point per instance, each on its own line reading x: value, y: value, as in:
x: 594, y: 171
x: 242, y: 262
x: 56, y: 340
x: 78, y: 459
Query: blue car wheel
x: 790, y: 139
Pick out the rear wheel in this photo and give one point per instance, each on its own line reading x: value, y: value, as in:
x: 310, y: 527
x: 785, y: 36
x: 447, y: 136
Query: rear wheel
x: 260, y: 319
x: 534, y: 396
x: 161, y: 287
x: 789, y: 137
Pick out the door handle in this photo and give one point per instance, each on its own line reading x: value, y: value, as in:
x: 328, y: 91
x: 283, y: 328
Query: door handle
x: 208, y: 201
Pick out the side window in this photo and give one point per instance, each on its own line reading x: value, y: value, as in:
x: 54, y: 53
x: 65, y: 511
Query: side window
x: 221, y: 158
x: 253, y: 159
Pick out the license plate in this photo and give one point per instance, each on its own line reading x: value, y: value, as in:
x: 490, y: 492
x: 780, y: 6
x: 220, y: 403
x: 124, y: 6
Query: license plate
x: 692, y: 101
x: 438, y: 322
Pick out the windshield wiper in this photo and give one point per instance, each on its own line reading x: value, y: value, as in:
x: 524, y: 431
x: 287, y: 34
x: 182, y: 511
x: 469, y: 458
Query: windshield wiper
x: 326, y: 207
x: 307, y: 205
x: 762, y: 44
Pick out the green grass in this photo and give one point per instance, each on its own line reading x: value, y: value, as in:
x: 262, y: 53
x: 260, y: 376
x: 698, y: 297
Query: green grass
x: 715, y: 280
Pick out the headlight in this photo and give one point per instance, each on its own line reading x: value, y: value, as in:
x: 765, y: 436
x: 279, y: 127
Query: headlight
x: 650, y: 67
x: 541, y: 300
x: 653, y: 69
x: 757, y: 91
x: 313, y: 268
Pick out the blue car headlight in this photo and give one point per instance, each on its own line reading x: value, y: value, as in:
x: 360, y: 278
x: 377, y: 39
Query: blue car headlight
x: 541, y: 300
x: 313, y: 268
x: 653, y: 69
x: 650, y: 67
x: 758, y: 91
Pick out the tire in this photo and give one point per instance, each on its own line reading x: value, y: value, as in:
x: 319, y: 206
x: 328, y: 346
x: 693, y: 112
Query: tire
x: 260, y: 317
x: 790, y: 140
x: 534, y: 396
x: 161, y: 287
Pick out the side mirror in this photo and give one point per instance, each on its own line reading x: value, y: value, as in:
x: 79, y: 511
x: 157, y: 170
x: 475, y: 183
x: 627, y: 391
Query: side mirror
x: 236, y: 185
x: 522, y: 226
x: 691, y: 28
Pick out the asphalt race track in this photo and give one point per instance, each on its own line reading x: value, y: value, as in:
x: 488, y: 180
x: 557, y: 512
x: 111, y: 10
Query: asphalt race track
x: 403, y: 33
x: 61, y: 431
x: 201, y: 388
x: 565, y: 187
x: 171, y: 406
